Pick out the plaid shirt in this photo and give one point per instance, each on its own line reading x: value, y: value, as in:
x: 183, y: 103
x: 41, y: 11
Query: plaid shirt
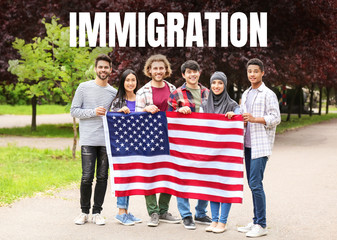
x: 144, y: 96
x: 183, y: 97
x: 264, y: 105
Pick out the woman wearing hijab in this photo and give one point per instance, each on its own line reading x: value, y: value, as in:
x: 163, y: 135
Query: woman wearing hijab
x: 219, y: 102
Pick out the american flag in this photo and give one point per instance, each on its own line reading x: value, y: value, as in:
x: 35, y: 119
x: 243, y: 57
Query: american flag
x: 199, y: 155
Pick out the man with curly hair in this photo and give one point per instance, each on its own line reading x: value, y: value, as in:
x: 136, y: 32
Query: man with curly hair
x: 152, y: 97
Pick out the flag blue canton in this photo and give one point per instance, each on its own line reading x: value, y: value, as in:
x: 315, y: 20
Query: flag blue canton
x: 138, y: 133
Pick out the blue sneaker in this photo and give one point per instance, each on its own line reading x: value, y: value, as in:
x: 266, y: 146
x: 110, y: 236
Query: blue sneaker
x: 134, y: 219
x: 124, y: 219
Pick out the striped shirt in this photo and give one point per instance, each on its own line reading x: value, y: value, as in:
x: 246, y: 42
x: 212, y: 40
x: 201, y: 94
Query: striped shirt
x: 89, y: 96
x: 264, y: 104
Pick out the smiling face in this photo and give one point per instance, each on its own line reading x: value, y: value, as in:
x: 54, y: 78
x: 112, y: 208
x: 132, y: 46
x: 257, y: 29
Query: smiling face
x: 255, y: 75
x: 130, y: 83
x: 157, y: 71
x: 217, y: 87
x: 192, y: 77
x: 103, y: 70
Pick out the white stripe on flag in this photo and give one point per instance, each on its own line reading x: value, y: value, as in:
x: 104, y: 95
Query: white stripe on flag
x: 209, y: 151
x: 181, y: 175
x: 108, y: 150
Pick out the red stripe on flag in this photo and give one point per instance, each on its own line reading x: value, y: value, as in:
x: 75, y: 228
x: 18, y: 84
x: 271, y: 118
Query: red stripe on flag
x: 206, y: 197
x: 199, y: 157
x: 186, y: 182
x: 152, y: 166
x: 205, y: 144
x: 211, y: 130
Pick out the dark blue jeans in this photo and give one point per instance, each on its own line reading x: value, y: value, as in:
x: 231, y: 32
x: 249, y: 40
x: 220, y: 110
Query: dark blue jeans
x: 92, y: 155
x: 255, y: 170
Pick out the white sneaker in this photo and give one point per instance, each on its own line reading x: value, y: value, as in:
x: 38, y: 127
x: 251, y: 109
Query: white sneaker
x: 257, y: 231
x: 98, y: 219
x: 81, y: 219
x: 246, y: 228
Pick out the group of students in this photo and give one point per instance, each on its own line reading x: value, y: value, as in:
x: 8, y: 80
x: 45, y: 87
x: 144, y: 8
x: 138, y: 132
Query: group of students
x: 259, y: 108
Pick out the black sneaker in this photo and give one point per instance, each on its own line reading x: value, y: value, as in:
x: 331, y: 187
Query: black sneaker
x: 204, y: 220
x: 188, y: 223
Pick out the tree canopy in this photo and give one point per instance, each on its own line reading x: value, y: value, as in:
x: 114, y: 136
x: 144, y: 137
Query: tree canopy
x: 301, y: 38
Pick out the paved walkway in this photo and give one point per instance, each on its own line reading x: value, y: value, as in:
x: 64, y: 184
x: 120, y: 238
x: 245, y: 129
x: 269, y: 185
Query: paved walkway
x: 300, y: 184
x: 10, y: 121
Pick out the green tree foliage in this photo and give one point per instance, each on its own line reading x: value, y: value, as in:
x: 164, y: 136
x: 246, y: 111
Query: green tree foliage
x: 31, y: 70
x: 50, y: 65
x: 70, y: 65
x: 22, y: 19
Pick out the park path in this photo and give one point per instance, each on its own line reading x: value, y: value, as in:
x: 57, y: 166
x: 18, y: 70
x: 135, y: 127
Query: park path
x: 10, y: 121
x: 300, y: 183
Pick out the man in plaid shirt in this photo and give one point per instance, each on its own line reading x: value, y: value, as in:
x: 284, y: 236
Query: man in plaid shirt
x: 187, y: 99
x: 261, y: 115
x: 191, y: 94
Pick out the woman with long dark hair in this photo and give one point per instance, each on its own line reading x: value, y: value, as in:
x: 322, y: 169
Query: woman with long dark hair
x: 126, y: 96
x: 125, y: 101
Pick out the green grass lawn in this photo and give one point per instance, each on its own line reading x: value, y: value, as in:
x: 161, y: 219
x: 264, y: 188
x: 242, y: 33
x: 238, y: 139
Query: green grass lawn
x: 305, y: 120
x: 331, y: 109
x: 44, y: 130
x: 25, y: 171
x: 27, y: 109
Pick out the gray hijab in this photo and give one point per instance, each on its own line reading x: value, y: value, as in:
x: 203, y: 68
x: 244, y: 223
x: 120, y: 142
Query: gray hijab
x: 221, y: 103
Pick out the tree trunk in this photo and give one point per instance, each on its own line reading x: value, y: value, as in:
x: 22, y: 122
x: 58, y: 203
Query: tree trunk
x: 327, y: 100
x: 311, y: 99
x: 238, y: 94
x: 230, y: 91
x: 290, y: 106
x: 34, y: 102
x: 320, y: 100
x: 301, y: 102
x: 75, y: 138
